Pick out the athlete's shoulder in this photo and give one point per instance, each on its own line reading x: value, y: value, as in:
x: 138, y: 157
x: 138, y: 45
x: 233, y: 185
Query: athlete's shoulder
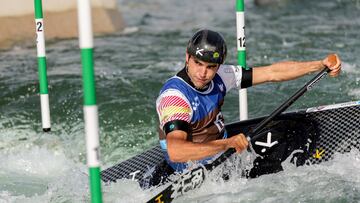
x: 172, y: 91
x: 173, y: 105
x: 231, y: 75
x: 174, y: 82
x: 226, y: 69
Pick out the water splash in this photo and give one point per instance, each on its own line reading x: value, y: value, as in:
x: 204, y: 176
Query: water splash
x: 335, y: 180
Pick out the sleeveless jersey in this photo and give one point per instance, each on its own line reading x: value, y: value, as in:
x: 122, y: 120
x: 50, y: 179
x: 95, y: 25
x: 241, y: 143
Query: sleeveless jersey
x: 178, y: 100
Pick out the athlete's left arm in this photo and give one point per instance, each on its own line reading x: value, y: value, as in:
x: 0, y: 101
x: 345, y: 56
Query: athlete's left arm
x: 289, y: 70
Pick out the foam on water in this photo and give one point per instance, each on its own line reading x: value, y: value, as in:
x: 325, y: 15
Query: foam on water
x: 125, y: 191
x: 349, y: 68
x: 63, y: 180
x: 130, y: 69
x: 337, y: 180
x: 352, y: 70
x: 37, y: 162
x: 42, y: 175
x: 32, y: 172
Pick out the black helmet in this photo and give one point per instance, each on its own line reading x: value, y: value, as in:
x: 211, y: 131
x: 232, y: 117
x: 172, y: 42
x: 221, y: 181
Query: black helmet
x: 208, y: 46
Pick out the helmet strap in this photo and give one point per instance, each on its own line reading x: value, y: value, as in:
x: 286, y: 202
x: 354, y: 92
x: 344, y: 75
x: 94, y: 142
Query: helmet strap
x: 187, y: 64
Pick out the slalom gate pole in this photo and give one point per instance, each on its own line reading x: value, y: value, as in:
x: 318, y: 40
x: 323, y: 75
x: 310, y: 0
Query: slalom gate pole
x: 41, y: 57
x: 241, y: 55
x: 90, y: 107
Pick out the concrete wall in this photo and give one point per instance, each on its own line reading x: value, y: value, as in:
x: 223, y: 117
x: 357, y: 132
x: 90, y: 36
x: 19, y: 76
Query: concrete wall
x: 17, y: 24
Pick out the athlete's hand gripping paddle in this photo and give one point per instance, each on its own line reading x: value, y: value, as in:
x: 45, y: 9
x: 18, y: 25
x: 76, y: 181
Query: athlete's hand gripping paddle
x: 253, y: 134
x: 166, y: 194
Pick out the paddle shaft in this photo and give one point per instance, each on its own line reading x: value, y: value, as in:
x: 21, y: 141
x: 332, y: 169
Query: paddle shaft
x: 308, y: 86
x: 253, y: 134
x: 166, y: 194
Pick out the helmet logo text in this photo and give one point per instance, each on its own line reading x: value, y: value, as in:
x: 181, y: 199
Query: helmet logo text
x: 199, y: 51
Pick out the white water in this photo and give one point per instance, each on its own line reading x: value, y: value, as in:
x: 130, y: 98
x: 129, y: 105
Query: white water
x: 37, y: 167
x: 334, y: 181
x: 29, y: 173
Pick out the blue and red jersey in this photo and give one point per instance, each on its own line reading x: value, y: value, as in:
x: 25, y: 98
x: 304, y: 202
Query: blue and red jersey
x: 201, y: 109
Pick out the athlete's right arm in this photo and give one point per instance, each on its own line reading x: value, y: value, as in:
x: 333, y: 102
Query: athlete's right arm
x: 175, y: 113
x: 181, y: 150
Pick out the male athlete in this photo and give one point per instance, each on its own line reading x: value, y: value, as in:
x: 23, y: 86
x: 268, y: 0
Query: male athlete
x: 189, y: 104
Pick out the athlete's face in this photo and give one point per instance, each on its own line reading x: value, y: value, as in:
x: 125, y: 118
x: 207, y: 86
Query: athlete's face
x: 200, y: 72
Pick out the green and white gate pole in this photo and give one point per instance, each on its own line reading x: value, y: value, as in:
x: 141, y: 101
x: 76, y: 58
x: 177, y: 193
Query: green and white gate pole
x: 90, y: 107
x: 241, y: 55
x: 41, y: 55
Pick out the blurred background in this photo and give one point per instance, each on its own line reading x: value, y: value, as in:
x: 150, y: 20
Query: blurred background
x: 145, y: 46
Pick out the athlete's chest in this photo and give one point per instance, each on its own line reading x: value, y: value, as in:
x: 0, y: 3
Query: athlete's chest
x: 203, y: 105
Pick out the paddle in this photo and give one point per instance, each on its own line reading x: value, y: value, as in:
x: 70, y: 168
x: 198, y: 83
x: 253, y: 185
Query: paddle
x: 194, y: 178
x: 308, y: 86
x: 253, y: 133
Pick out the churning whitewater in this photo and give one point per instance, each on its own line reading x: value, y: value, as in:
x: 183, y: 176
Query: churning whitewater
x: 130, y: 69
